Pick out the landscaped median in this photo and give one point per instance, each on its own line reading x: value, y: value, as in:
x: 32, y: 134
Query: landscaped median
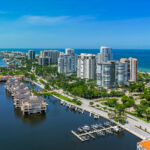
x: 74, y: 101
x: 45, y: 93
x: 135, y: 115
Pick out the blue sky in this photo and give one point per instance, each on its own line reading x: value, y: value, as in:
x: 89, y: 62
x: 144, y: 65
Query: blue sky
x: 75, y: 23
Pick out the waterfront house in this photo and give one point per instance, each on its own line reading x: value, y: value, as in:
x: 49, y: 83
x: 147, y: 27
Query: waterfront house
x: 23, y: 98
x: 33, y: 104
x: 19, y: 98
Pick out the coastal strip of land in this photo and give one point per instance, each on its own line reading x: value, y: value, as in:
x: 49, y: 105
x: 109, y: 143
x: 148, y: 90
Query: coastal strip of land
x: 130, y: 126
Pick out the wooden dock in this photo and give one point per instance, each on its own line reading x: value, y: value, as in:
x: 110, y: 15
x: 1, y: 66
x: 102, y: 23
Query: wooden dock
x: 78, y: 136
x: 90, y: 133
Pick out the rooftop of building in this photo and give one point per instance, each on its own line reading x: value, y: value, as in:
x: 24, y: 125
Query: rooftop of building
x: 50, y: 51
x: 34, y: 100
x: 145, y: 144
x: 69, y: 49
x: 123, y: 59
x: 85, y: 54
x: 105, y: 47
x: 133, y: 59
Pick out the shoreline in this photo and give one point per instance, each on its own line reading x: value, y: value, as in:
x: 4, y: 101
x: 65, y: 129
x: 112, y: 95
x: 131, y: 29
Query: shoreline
x: 94, y: 111
x: 103, y: 116
x: 144, y: 72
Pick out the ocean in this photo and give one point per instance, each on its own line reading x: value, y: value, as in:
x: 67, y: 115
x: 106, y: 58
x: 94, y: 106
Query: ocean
x: 143, y: 55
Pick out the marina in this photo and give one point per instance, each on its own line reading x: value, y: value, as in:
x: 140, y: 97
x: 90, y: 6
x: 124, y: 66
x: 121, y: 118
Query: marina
x: 85, y: 132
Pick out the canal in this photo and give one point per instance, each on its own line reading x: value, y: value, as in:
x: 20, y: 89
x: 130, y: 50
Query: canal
x: 52, y: 130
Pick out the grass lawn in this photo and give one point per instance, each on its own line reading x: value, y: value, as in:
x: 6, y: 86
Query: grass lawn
x: 66, y: 98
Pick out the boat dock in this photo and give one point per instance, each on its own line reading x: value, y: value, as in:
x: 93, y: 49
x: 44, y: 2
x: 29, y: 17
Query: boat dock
x: 77, y: 135
x: 84, y: 133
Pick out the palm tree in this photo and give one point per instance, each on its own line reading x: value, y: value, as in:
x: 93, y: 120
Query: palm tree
x: 140, y: 110
x: 120, y: 113
x: 147, y: 113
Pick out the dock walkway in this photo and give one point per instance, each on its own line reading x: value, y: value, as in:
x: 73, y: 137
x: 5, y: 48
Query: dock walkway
x: 90, y: 133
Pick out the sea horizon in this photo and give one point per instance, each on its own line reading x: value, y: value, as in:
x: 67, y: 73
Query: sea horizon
x: 80, y: 48
x: 142, y: 55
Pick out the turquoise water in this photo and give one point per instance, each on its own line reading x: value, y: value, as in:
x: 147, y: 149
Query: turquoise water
x: 142, y: 55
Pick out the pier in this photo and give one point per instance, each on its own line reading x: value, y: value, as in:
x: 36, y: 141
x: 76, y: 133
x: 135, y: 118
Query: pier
x: 84, y: 133
x: 77, y: 135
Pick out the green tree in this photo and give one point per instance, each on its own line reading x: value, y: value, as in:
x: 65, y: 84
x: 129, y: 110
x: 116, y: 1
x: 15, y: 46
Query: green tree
x: 32, y: 76
x: 147, y: 113
x: 11, y: 73
x: 91, y: 103
x: 144, y: 102
x: 120, y: 113
x: 111, y: 102
x: 124, y: 99
x: 130, y: 102
x: 47, y: 86
x: 140, y: 109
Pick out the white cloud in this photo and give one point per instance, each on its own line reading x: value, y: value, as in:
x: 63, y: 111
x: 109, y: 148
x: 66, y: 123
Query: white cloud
x: 44, y: 20
x: 48, y: 20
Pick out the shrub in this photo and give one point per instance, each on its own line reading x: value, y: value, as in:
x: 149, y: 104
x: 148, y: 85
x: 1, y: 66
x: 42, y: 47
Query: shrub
x: 91, y: 103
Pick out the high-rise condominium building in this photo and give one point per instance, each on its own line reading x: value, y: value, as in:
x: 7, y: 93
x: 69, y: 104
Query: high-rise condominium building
x: 67, y: 62
x: 104, y: 55
x: 132, y: 68
x: 111, y: 73
x: 121, y: 73
x: 69, y: 51
x: 105, y: 74
x: 86, y: 66
x: 48, y: 57
x: 31, y: 54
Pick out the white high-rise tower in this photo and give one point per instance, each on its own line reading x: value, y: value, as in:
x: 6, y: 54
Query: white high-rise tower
x: 67, y: 62
x: 86, y: 66
x: 104, y: 55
